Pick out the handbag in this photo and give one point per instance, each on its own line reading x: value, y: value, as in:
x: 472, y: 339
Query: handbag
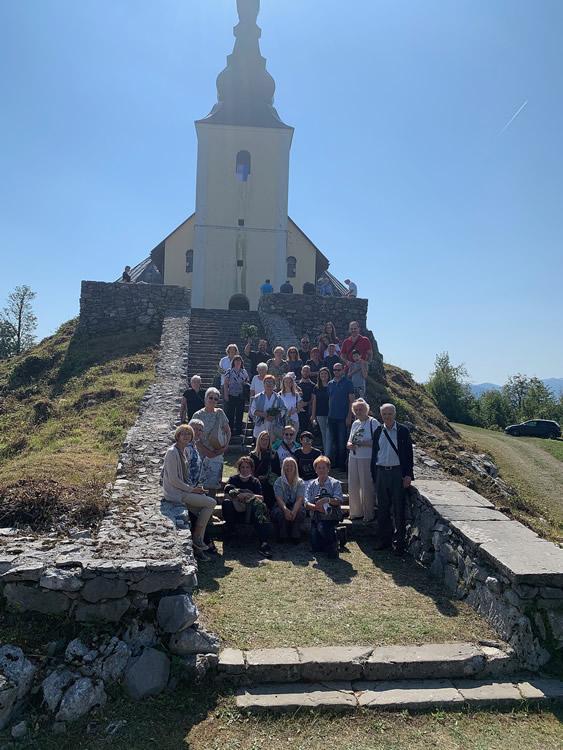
x: 217, y: 437
x: 331, y: 512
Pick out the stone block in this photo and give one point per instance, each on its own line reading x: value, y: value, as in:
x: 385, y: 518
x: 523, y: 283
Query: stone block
x: 33, y: 599
x: 333, y: 663
x: 431, y: 660
x: 541, y: 689
x: 147, y: 675
x: 111, y: 610
x: 176, y: 613
x: 194, y: 640
x: 449, y: 493
x: 500, y: 662
x: 16, y: 679
x: 273, y: 665
x: 100, y: 588
x: 451, y: 578
x: 56, y: 579
x: 81, y: 697
x: 487, y: 693
x: 407, y: 694
x: 164, y: 581
x: 284, y: 697
x: 231, y: 661
x: 54, y: 685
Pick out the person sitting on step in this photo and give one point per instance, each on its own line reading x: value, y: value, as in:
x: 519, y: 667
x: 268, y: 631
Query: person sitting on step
x: 177, y: 488
x: 288, y: 513
x: 324, y: 499
x: 243, y: 503
x: 286, y: 446
x: 265, y: 464
x: 195, y: 463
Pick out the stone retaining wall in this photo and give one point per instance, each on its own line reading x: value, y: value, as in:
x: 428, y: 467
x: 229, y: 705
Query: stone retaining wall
x: 509, y: 575
x: 114, y: 307
x: 138, y: 551
x: 287, y: 317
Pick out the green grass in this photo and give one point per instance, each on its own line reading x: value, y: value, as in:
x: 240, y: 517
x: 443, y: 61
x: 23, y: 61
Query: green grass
x: 534, y: 468
x: 195, y: 717
x: 364, y: 598
x: 46, y: 428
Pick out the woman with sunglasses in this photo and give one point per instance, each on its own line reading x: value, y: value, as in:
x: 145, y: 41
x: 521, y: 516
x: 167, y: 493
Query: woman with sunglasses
x: 285, y: 447
x: 214, y: 440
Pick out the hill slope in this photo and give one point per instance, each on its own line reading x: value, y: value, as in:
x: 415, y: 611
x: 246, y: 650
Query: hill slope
x: 66, y: 404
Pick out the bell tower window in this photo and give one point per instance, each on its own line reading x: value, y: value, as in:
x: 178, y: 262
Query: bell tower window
x: 243, y: 166
x: 189, y: 261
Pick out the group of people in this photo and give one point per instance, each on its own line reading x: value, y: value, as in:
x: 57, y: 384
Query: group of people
x: 324, y: 288
x: 285, y: 477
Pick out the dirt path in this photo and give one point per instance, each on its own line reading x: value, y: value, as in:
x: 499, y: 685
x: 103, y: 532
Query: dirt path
x: 525, y: 465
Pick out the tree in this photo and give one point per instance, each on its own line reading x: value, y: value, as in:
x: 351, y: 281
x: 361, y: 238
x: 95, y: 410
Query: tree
x: 450, y: 389
x: 17, y: 322
x: 539, y: 402
x: 495, y: 408
x: 516, y: 389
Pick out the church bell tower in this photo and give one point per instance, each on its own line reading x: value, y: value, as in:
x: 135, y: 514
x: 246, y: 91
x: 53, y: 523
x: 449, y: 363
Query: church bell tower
x: 241, y: 223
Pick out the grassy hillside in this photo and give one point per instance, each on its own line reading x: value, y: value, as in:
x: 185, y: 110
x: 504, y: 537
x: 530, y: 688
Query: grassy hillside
x: 65, y: 407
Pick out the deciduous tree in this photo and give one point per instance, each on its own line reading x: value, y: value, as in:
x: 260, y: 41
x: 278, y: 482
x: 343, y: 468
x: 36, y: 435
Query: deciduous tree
x: 17, y: 322
x: 450, y: 389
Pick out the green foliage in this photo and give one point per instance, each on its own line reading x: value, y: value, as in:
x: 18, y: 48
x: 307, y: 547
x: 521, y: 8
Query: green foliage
x: 248, y: 331
x: 494, y: 409
x: 17, y: 323
x: 29, y: 368
x: 449, y: 387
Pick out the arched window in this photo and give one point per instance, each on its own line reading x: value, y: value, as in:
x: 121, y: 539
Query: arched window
x: 243, y: 166
x: 189, y: 261
x: 239, y: 302
x: 291, y: 267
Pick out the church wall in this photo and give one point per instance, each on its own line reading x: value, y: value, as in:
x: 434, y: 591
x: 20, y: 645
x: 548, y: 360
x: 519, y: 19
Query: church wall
x: 301, y: 248
x: 176, y: 245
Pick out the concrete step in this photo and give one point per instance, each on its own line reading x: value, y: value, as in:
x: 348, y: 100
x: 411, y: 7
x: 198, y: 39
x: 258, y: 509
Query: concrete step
x: 422, y: 695
x: 383, y: 663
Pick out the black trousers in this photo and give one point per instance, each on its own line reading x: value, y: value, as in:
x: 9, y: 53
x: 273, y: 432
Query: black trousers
x: 391, y: 502
x: 231, y: 516
x: 235, y: 410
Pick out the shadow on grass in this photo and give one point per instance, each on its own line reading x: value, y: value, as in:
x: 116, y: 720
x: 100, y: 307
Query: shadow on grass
x: 406, y: 572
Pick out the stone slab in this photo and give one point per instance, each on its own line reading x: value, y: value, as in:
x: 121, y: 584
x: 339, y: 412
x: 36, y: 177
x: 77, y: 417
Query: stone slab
x: 292, y: 697
x: 470, y: 513
x: 333, y: 663
x: 273, y: 665
x: 429, y: 661
x: 541, y: 689
x: 231, y: 661
x: 448, y: 492
x: 485, y: 693
x: 403, y: 694
x: 516, y: 550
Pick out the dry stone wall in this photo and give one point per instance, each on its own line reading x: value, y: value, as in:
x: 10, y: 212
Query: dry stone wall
x: 506, y: 572
x: 139, y: 551
x: 107, y: 308
x: 287, y: 317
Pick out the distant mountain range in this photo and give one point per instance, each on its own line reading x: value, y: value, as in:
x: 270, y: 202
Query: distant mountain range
x: 555, y: 384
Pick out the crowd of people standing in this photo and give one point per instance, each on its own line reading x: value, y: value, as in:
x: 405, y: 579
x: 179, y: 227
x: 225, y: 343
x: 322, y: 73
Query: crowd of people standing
x: 319, y: 389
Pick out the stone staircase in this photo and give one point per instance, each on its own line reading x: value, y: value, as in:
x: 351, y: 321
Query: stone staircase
x: 211, y: 331
x: 427, y: 677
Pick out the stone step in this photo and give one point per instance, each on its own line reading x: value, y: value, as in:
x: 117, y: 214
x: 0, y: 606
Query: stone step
x: 423, y: 695
x: 382, y: 663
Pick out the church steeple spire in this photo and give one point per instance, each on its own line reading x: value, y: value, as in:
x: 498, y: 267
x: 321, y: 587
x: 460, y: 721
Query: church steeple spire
x: 245, y: 89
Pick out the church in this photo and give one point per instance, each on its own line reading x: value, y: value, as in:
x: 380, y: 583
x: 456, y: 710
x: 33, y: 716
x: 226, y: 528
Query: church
x: 240, y: 234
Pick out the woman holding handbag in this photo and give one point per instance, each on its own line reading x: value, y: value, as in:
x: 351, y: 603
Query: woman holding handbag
x: 360, y: 483
x: 324, y: 500
x: 214, y: 440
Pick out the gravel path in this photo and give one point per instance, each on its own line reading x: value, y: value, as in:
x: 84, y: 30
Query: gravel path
x: 524, y: 463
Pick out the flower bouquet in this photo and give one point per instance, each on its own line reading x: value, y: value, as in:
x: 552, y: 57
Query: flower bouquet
x: 248, y: 331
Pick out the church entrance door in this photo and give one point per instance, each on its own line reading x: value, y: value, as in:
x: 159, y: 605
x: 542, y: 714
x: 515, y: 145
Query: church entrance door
x: 239, y: 302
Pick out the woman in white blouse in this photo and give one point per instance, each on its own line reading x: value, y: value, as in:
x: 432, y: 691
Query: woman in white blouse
x: 292, y: 400
x: 360, y: 482
x: 257, y: 385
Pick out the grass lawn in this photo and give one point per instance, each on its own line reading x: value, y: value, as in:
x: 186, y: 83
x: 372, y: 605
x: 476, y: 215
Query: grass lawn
x: 364, y: 598
x: 198, y: 719
x: 534, y: 467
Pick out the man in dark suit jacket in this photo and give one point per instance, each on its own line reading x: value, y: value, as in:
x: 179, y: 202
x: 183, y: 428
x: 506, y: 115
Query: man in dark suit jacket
x: 392, y: 472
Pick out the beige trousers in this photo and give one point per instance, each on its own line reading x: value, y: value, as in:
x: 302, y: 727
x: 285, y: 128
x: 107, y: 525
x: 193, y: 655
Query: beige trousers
x: 201, y: 506
x: 360, y: 488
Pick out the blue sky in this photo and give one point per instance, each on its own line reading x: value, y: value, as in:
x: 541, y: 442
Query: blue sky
x: 399, y: 172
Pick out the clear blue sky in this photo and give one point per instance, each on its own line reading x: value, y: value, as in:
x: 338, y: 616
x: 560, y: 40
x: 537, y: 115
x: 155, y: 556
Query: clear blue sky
x: 398, y: 169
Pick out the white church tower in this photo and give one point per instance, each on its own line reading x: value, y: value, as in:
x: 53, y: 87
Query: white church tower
x: 241, y: 223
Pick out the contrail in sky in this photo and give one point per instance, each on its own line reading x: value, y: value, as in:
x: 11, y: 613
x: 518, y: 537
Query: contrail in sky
x: 514, y: 116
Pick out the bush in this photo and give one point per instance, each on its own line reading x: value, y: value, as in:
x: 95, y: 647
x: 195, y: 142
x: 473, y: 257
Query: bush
x: 29, y: 368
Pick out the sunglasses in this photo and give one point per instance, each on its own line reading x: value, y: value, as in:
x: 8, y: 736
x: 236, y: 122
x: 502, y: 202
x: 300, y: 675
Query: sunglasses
x: 289, y: 434
x: 213, y: 398
x: 337, y: 369
x: 306, y: 440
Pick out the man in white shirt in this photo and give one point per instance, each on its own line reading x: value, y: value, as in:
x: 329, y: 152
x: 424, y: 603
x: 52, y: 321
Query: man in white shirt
x: 352, y: 288
x: 392, y: 471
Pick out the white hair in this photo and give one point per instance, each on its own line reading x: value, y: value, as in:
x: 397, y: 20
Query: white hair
x: 262, y: 366
x: 195, y: 377
x: 212, y: 392
x: 196, y: 423
x: 388, y: 406
x: 360, y: 402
